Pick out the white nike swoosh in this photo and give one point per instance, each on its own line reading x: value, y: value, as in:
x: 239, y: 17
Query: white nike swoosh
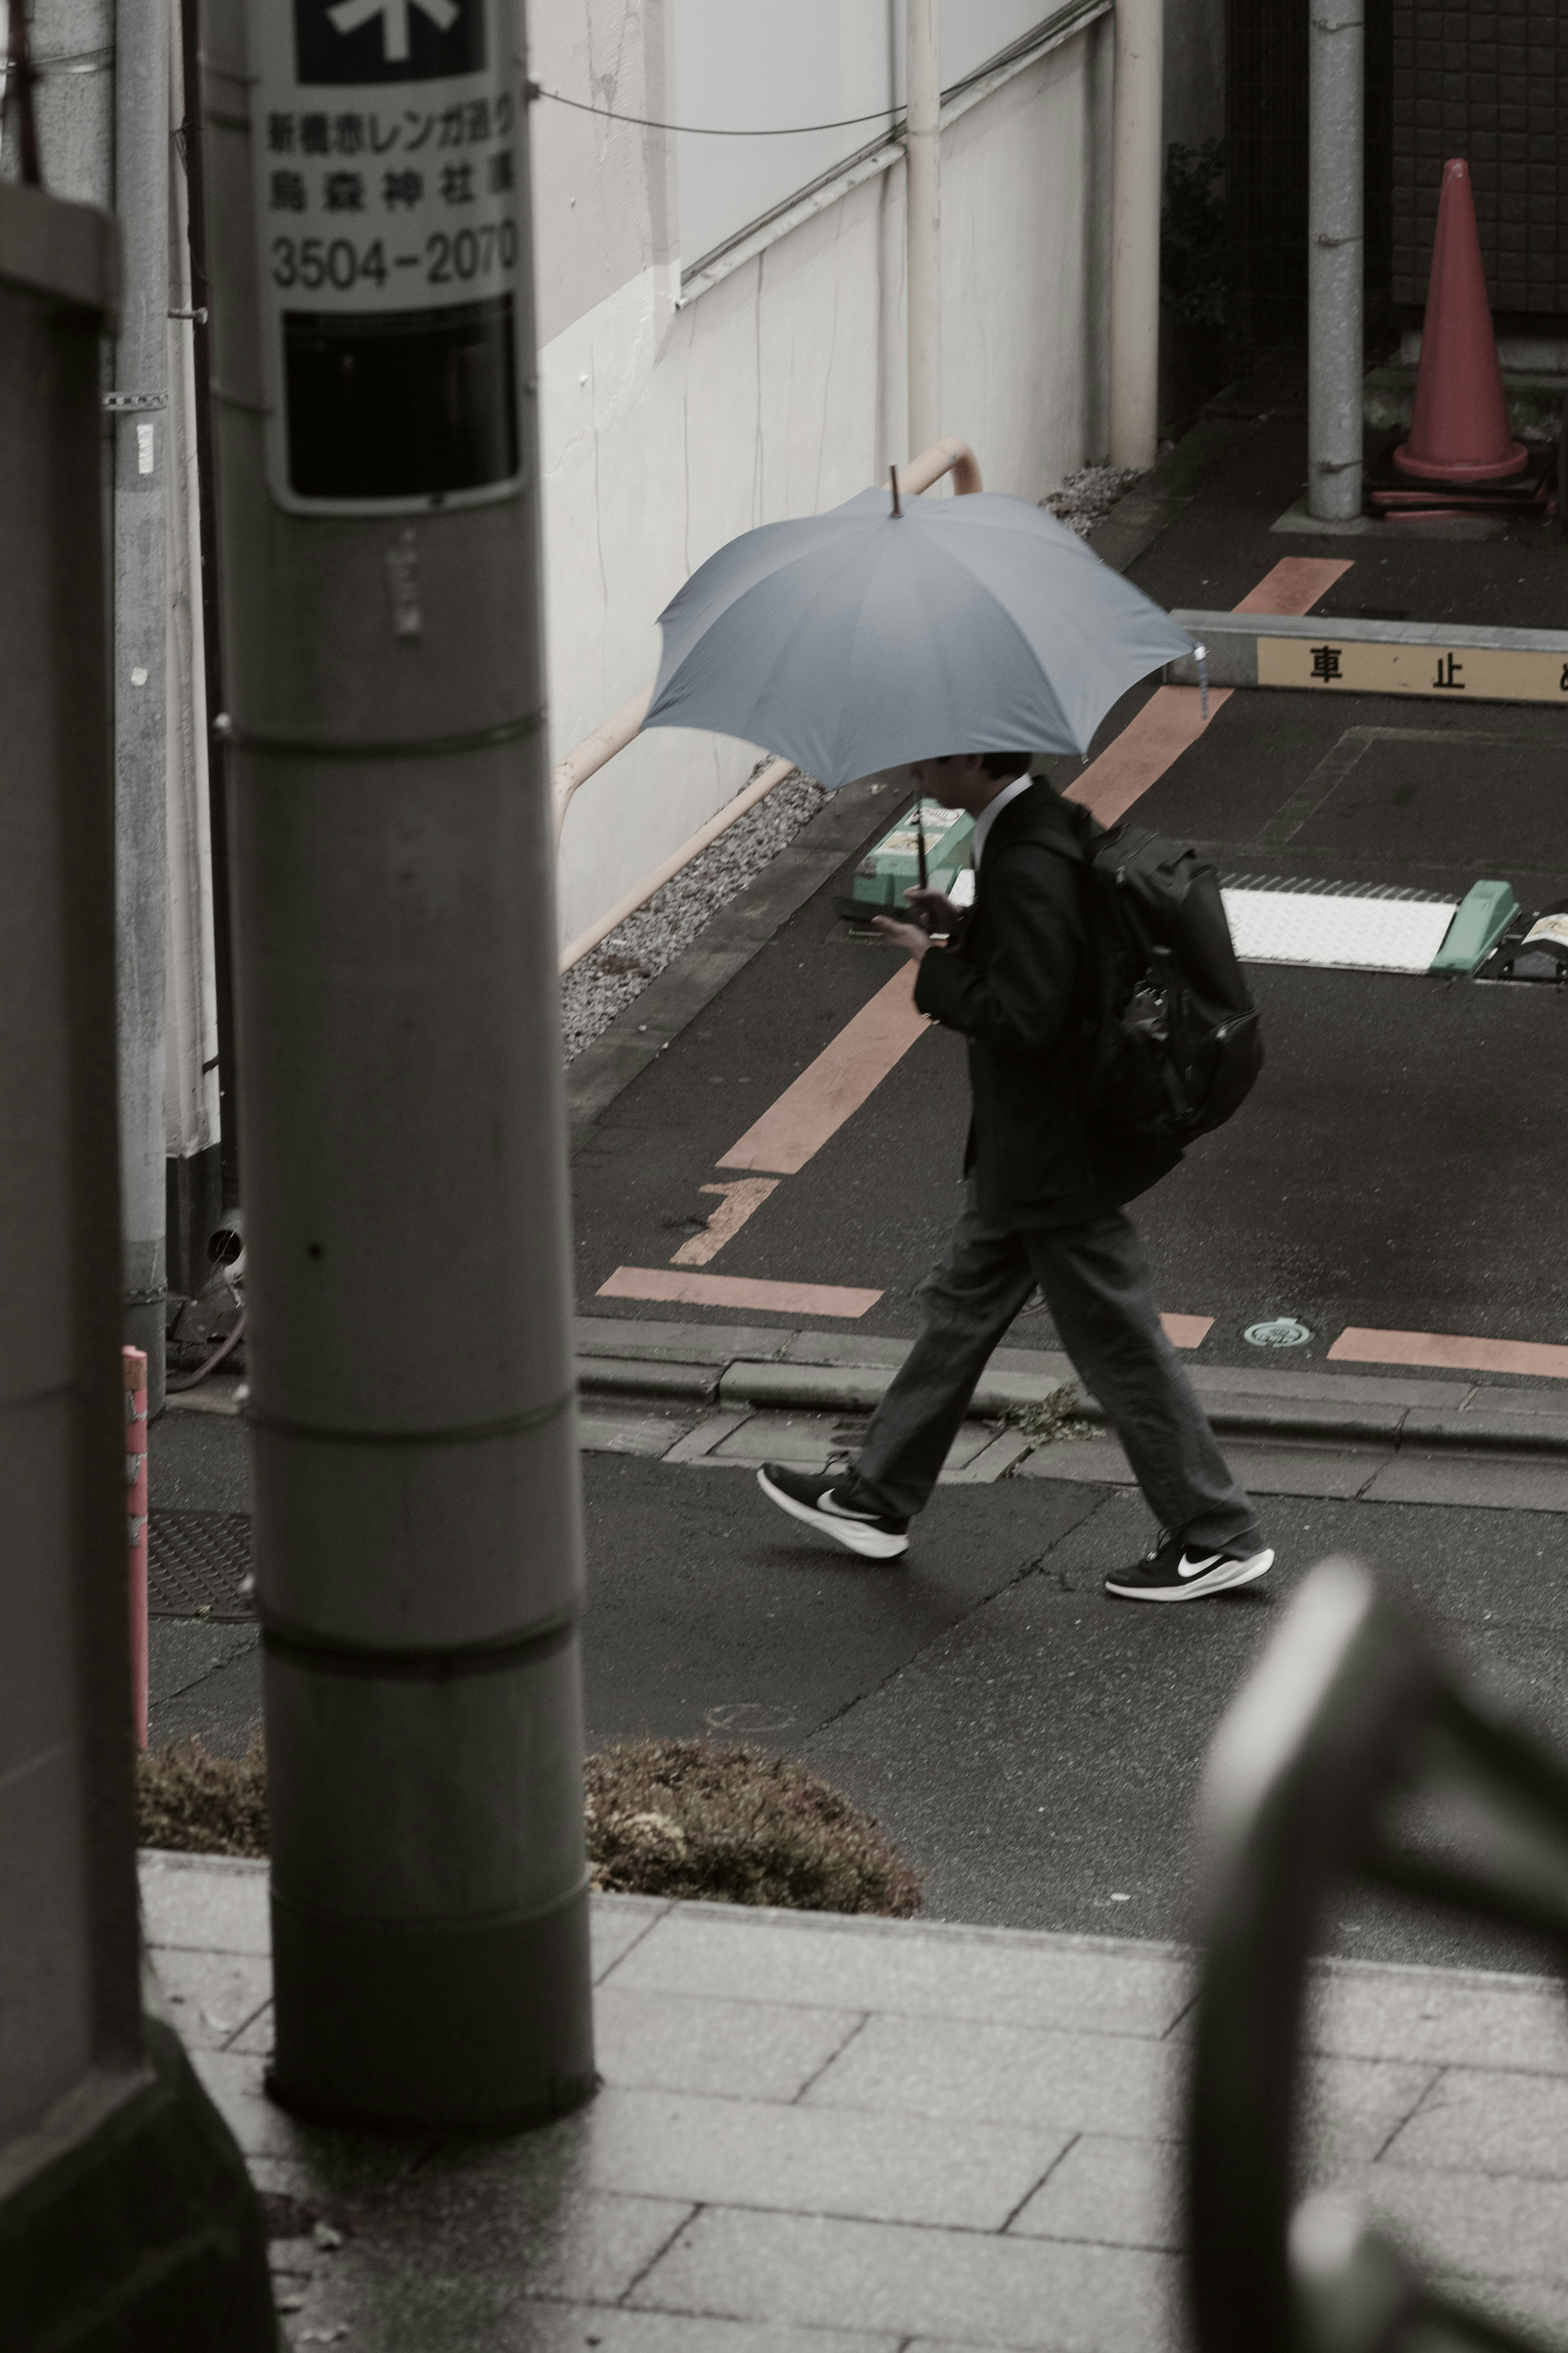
x: 838, y: 1511
x: 1185, y: 1567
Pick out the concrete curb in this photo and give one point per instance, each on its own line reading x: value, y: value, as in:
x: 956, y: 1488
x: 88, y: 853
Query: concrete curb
x: 788, y: 1370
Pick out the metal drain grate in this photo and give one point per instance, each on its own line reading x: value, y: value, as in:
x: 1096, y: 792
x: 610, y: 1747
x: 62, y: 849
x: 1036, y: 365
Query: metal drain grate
x: 196, y: 1562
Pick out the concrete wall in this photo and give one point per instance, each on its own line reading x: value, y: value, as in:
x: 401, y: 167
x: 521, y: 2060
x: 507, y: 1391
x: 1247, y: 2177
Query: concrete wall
x: 669, y: 427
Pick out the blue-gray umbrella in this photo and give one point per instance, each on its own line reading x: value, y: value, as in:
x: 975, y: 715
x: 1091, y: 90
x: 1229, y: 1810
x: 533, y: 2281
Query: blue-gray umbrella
x: 861, y: 639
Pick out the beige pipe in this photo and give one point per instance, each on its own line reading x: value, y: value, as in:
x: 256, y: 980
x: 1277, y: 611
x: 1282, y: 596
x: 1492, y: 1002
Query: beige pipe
x: 773, y: 773
x: 613, y: 735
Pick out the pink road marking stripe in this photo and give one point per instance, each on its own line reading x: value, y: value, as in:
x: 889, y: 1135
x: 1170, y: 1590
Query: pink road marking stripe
x: 1172, y: 718
x: 1148, y: 745
x: 1451, y: 1350
x: 829, y: 1089
x: 735, y: 1291
x: 1187, y: 1331
x: 1295, y: 583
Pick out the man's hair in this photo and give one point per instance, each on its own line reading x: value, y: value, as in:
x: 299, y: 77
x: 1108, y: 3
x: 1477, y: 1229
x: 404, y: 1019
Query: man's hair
x: 1001, y: 764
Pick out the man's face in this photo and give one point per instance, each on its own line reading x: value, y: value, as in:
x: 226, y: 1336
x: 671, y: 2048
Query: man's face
x: 949, y: 781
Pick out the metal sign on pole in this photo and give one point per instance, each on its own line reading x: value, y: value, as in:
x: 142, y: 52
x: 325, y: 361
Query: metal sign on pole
x: 416, y: 1520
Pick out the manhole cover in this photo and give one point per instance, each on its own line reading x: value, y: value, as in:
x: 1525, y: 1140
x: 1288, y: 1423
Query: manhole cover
x: 1281, y: 1332
x: 196, y: 1562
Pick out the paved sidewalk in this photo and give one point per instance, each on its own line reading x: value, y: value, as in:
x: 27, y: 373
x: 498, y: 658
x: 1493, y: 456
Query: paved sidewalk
x: 719, y: 1395
x: 829, y: 2136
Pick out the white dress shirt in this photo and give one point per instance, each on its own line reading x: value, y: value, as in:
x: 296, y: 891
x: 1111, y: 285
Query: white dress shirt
x: 992, y: 811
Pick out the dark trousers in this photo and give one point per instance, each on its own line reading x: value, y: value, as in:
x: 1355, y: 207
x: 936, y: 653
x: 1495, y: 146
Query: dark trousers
x: 1096, y: 1284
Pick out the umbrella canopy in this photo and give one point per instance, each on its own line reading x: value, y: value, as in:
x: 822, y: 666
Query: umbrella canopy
x: 859, y: 639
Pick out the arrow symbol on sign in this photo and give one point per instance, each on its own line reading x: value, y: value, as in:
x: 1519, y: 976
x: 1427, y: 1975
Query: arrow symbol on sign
x: 349, y: 14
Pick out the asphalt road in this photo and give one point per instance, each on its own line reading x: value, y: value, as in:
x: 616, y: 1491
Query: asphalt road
x: 1397, y: 1165
x: 1031, y: 1745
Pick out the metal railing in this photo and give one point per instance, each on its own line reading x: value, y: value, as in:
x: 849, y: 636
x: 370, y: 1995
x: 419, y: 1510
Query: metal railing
x: 1352, y: 1754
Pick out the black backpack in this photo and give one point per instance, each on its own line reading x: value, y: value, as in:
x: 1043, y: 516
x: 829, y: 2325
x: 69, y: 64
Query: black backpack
x: 1170, y: 1033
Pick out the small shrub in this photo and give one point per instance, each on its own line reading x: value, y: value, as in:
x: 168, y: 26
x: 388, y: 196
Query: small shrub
x: 1060, y: 1414
x: 196, y: 1803
x: 681, y: 1818
x: 731, y: 1825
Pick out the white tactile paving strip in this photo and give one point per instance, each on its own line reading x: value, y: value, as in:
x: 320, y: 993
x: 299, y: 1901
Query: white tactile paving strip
x: 1275, y: 919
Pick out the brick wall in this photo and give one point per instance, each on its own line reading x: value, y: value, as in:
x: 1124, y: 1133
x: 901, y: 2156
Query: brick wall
x: 1489, y: 83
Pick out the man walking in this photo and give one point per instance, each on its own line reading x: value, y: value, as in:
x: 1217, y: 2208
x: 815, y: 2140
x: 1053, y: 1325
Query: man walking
x: 1043, y: 1206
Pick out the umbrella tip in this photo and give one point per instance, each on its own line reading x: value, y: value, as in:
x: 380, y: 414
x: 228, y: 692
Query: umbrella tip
x: 894, y: 472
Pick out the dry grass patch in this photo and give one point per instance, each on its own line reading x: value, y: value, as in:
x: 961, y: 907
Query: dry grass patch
x: 679, y: 1817
x: 732, y: 1825
x: 195, y: 1803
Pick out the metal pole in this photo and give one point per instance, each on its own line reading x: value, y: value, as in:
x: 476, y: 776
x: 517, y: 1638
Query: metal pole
x: 139, y: 405
x: 922, y: 96
x: 1336, y: 47
x: 1135, y: 233
x: 416, y: 1521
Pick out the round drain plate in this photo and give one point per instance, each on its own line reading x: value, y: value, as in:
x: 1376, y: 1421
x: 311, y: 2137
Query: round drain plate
x: 1281, y: 1332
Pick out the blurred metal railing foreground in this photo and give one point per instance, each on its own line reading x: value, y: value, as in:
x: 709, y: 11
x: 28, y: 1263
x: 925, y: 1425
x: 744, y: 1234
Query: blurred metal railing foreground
x: 1351, y: 1753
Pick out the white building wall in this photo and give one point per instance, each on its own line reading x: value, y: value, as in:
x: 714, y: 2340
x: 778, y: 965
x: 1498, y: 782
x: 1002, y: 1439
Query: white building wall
x: 667, y: 429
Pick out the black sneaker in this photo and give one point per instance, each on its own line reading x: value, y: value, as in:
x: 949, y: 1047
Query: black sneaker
x: 1175, y: 1571
x: 833, y: 1511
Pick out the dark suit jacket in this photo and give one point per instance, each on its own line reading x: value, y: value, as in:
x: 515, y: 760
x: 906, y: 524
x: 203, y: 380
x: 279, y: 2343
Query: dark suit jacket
x: 1011, y: 982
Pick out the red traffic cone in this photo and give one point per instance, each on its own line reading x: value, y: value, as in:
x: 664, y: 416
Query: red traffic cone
x: 1458, y: 432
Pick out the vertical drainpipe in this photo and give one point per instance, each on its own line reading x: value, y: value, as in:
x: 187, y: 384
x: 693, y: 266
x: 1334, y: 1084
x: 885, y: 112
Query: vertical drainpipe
x: 1335, y: 260
x: 1135, y: 235
x: 138, y: 424
x: 923, y: 93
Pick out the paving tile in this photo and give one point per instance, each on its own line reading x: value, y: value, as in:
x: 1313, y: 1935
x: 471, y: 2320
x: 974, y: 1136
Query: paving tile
x: 1007, y: 1977
x: 820, y: 2272
x: 568, y: 2328
x: 1497, y: 1480
x: 1351, y: 2108
x: 603, y: 1428
x: 256, y: 2041
x: 1472, y: 2225
x: 1452, y: 2018
x: 814, y: 2160
x: 1539, y: 2307
x: 1109, y: 2193
x: 615, y: 1925
x: 961, y: 2068
x: 1089, y: 1462
x: 804, y: 1440
x: 204, y: 1901
x: 213, y: 1996
x: 993, y: 1461
x: 410, y: 2282
x: 700, y: 1441
x: 1488, y: 2122
x: 675, y: 1343
x: 725, y: 2050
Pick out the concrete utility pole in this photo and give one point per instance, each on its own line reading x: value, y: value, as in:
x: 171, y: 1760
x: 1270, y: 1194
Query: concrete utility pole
x: 126, y: 2215
x: 139, y: 408
x: 416, y: 1526
x: 103, y: 137
x: 922, y: 97
x: 1137, y: 175
x: 1336, y: 52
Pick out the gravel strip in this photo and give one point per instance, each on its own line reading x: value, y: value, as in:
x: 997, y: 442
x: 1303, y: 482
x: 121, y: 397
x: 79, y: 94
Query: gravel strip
x: 610, y: 975
x: 1086, y: 498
